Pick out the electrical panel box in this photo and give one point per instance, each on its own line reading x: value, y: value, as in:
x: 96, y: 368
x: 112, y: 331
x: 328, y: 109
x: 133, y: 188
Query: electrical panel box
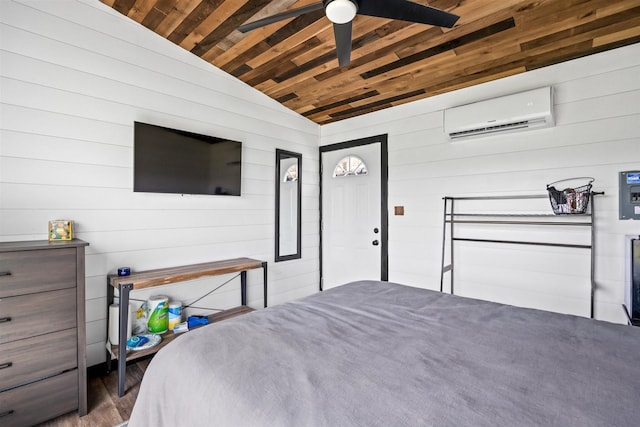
x: 629, y: 193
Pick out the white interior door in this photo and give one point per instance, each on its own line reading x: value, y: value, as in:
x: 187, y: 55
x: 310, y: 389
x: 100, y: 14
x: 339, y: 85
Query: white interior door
x: 351, y: 216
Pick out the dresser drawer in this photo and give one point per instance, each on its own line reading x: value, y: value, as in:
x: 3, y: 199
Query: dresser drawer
x: 33, y: 358
x: 38, y: 314
x: 27, y: 272
x: 40, y: 401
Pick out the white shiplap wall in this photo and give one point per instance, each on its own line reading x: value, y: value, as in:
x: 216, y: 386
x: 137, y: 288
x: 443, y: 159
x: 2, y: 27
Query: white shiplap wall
x: 597, y: 100
x: 74, y: 76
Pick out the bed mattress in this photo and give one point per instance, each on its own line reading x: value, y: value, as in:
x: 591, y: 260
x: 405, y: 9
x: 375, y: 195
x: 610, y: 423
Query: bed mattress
x: 383, y: 354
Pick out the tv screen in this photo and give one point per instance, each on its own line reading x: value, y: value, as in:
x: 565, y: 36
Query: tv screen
x: 175, y: 161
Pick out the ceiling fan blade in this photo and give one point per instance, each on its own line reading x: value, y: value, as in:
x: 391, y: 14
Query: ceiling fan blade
x: 342, y: 33
x: 279, y: 17
x: 405, y: 10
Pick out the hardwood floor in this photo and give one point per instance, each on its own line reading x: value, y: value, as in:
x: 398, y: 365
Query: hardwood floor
x: 106, y: 409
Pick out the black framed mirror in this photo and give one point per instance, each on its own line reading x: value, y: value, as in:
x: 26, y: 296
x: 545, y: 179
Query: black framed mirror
x: 288, y: 205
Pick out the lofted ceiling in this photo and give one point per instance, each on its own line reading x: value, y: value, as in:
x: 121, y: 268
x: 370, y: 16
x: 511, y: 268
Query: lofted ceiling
x: 392, y: 62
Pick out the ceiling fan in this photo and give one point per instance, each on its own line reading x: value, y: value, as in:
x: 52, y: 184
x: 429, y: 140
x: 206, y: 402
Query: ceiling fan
x: 342, y: 12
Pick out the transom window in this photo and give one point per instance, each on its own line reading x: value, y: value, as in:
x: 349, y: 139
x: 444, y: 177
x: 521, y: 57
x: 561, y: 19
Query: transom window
x: 291, y: 175
x: 350, y: 166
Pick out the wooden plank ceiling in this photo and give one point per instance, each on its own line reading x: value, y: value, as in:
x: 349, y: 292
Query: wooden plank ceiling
x: 392, y: 62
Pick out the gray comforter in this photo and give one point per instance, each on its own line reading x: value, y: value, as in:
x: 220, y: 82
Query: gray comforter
x: 382, y: 354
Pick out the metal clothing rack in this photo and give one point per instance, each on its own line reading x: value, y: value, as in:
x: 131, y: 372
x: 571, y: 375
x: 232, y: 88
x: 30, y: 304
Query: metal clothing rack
x: 451, y: 217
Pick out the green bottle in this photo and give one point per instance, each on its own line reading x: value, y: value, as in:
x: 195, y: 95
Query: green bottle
x: 159, y: 317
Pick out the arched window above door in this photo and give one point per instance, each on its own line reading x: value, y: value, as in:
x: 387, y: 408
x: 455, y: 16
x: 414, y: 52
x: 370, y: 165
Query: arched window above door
x: 350, y: 166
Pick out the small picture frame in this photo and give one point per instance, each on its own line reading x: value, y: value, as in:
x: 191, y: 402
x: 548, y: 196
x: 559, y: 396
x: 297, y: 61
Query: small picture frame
x: 60, y: 229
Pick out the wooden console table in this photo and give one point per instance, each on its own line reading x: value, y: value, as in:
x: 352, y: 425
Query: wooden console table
x: 165, y: 276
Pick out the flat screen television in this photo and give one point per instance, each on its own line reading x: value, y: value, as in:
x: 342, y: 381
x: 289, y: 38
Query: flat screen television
x: 176, y: 161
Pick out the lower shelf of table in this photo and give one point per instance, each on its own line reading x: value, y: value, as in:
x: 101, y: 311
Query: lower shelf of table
x: 169, y: 336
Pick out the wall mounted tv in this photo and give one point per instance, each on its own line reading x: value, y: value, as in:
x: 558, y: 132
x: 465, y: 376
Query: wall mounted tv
x: 176, y: 161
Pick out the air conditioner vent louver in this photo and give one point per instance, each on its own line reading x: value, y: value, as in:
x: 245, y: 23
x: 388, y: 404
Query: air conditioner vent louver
x: 521, y: 111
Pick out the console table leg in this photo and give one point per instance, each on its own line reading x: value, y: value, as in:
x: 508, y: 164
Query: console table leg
x: 264, y: 280
x: 110, y: 294
x: 243, y: 287
x: 122, y: 336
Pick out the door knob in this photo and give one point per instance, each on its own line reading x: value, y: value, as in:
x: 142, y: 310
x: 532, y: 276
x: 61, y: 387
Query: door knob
x: 375, y: 243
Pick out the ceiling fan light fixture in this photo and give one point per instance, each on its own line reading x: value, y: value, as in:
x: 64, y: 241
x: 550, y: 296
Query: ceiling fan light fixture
x: 341, y: 11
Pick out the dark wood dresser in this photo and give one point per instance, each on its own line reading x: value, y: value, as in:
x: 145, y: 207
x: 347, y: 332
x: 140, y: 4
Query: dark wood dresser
x: 43, y: 368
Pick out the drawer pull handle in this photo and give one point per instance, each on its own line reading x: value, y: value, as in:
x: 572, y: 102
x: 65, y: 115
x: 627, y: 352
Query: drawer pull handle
x: 5, y: 273
x: 5, y: 319
x: 7, y: 413
x: 6, y: 365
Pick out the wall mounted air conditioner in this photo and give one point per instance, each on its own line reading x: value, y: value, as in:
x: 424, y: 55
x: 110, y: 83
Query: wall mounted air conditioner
x: 521, y: 111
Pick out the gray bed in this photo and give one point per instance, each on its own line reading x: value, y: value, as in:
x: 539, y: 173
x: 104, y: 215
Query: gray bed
x: 383, y: 354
